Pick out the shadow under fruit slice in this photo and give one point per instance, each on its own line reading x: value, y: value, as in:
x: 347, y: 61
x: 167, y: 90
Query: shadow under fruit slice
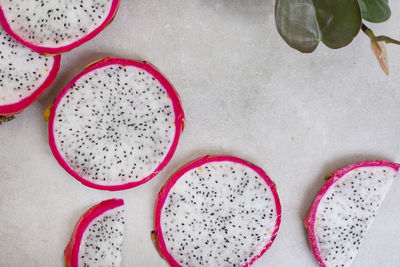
x: 116, y: 125
x: 98, y: 236
x: 24, y: 75
x: 345, y: 208
x: 54, y: 27
x: 216, y: 211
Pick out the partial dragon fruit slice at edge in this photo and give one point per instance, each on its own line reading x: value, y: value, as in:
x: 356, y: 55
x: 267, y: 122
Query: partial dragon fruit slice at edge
x: 345, y: 208
x: 216, y: 211
x: 98, y: 236
x: 24, y: 75
x: 116, y: 125
x: 54, y: 27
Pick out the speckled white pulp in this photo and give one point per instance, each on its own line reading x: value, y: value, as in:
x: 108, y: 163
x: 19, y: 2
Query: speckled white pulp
x: 115, y: 126
x: 22, y: 71
x: 55, y: 23
x: 221, y: 214
x: 102, y: 240
x: 347, y: 211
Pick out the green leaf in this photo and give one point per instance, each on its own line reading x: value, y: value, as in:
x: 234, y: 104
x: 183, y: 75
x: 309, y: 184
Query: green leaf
x: 304, y: 23
x: 297, y: 24
x: 375, y: 10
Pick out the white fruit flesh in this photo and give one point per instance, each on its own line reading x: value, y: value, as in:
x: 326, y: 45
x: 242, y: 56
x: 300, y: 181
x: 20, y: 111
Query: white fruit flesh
x: 221, y: 214
x: 115, y: 126
x: 102, y: 240
x: 22, y: 71
x: 347, y: 211
x: 52, y: 23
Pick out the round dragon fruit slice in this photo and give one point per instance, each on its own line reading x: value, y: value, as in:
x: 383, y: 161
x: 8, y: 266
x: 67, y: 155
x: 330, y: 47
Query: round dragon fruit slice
x: 345, y: 208
x: 98, y: 236
x: 216, y: 211
x: 116, y: 125
x: 24, y: 75
x: 54, y: 27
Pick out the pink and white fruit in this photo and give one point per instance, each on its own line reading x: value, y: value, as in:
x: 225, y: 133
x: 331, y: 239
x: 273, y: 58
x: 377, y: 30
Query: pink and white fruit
x: 98, y: 236
x: 116, y: 125
x: 24, y: 75
x: 345, y: 208
x: 216, y: 211
x: 54, y: 27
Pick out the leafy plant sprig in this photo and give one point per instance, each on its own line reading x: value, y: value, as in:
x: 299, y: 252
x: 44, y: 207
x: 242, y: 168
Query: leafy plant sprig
x: 303, y: 24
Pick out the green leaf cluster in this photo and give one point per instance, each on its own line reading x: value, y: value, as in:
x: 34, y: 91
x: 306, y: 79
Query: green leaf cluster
x: 305, y: 23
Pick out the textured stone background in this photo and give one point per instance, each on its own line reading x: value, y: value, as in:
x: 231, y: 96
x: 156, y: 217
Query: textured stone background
x: 246, y: 93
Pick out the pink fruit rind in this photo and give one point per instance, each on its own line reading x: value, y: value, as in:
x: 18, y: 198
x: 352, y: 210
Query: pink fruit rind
x: 24, y: 103
x: 162, y: 196
x: 71, y: 252
x: 63, y: 49
x: 179, y: 120
x: 309, y: 221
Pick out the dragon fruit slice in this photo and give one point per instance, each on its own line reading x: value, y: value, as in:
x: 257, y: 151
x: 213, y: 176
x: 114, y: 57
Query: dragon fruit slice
x: 24, y: 75
x: 54, y: 27
x: 216, y: 211
x: 345, y: 208
x: 98, y: 236
x: 116, y: 125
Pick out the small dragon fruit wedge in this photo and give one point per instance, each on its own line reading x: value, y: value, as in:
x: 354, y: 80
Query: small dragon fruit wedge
x: 345, y: 208
x: 24, y: 75
x: 54, y: 27
x: 216, y: 211
x: 116, y: 125
x: 98, y: 236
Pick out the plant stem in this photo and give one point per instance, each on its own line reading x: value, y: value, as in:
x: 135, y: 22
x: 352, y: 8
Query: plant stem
x: 380, y: 38
x: 388, y: 40
x: 367, y: 31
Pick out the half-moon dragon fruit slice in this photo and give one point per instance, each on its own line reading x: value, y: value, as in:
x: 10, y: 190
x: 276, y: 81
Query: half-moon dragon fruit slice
x: 116, y: 125
x: 216, y: 211
x: 98, y: 236
x: 24, y: 75
x: 54, y: 27
x: 345, y: 208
